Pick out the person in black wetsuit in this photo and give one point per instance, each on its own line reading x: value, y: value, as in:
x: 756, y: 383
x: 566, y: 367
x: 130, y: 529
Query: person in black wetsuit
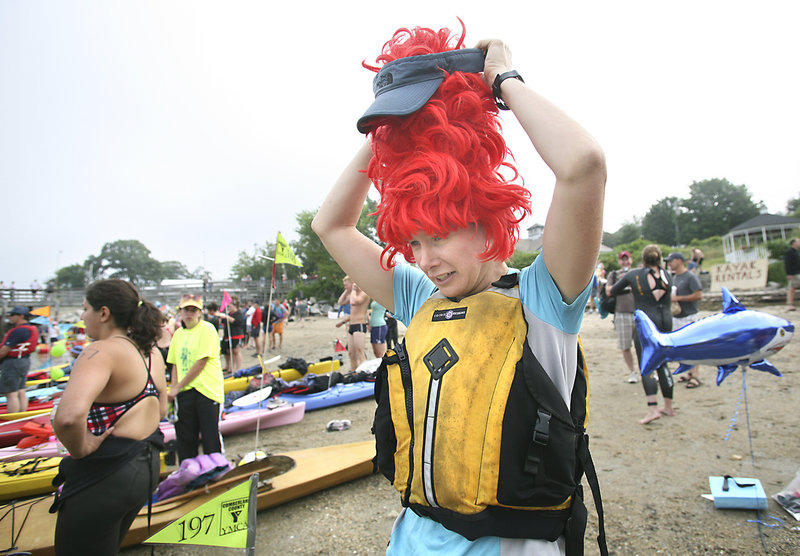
x: 651, y: 287
x: 108, y: 420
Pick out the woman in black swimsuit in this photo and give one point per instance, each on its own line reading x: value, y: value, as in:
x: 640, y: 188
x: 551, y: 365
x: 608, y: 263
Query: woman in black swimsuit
x: 651, y: 286
x: 108, y: 420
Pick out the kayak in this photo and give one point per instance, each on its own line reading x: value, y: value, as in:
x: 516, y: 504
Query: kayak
x: 39, y: 394
x: 11, y: 431
x: 315, y: 469
x: 337, y: 395
x: 24, y: 414
x: 245, y: 421
x: 27, y: 477
x: 240, y: 383
x: 33, y: 405
x: 232, y: 423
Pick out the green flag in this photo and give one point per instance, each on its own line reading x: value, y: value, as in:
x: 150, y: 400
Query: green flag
x: 222, y: 521
x: 283, y: 253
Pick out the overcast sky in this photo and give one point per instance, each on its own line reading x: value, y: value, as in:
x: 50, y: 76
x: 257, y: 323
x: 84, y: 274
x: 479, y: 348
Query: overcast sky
x: 202, y: 128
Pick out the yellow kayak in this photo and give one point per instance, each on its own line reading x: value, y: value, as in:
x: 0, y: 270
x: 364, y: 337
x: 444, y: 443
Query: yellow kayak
x: 27, y: 477
x: 23, y: 414
x: 321, y: 368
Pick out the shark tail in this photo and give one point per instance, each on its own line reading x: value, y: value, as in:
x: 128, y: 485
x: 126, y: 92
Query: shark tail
x: 651, y: 339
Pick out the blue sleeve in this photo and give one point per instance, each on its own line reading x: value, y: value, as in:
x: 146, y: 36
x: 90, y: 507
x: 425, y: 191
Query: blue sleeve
x: 540, y: 294
x: 411, y: 288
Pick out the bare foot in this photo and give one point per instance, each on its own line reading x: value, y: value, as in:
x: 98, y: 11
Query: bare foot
x: 652, y: 415
x: 667, y: 412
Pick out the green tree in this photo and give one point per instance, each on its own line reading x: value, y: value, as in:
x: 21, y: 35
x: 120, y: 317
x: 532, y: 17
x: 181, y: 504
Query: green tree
x: 630, y: 231
x: 126, y: 259
x: 72, y: 276
x: 173, y: 270
x: 255, y: 265
x: 521, y: 259
x: 660, y: 224
x: 325, y: 275
x: 793, y: 207
x: 714, y: 207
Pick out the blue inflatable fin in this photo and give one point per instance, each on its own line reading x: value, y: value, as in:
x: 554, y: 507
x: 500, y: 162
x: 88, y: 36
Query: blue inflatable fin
x: 724, y: 370
x: 729, y: 302
x: 682, y: 368
x: 765, y: 365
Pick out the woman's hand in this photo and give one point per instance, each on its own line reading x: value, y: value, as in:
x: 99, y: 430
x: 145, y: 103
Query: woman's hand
x: 90, y: 444
x: 498, y: 59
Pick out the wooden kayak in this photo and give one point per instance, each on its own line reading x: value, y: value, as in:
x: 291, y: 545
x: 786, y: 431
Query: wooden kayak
x: 27, y: 477
x: 314, y: 469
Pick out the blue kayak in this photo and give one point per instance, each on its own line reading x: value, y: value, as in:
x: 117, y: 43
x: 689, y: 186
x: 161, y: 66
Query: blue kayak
x: 339, y: 394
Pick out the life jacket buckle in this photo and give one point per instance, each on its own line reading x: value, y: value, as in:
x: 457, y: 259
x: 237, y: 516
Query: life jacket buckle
x: 541, y: 432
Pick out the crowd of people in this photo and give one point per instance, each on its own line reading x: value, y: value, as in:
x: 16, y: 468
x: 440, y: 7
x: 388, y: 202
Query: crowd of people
x: 668, y: 291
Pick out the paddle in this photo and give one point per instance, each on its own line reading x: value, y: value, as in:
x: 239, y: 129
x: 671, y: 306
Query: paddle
x: 253, y: 397
x: 254, y: 455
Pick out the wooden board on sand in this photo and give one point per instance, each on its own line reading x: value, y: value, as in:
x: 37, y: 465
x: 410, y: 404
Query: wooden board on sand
x: 315, y: 469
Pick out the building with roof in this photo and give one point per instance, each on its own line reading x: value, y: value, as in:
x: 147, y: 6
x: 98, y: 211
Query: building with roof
x: 747, y: 241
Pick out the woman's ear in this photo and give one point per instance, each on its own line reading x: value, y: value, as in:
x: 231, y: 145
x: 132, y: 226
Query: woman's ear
x: 105, y: 314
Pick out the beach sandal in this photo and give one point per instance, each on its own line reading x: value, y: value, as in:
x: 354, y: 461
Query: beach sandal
x: 693, y: 382
x: 683, y: 378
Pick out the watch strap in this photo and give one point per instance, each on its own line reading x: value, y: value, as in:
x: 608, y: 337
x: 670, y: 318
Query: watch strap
x: 498, y: 80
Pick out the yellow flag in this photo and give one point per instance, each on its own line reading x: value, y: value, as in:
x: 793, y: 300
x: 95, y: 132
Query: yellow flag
x: 283, y: 253
x: 222, y: 521
x: 42, y: 311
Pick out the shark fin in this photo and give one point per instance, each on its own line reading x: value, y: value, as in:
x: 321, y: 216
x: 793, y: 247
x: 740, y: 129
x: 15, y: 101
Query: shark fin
x: 724, y: 370
x: 765, y: 365
x: 652, y: 355
x: 682, y: 368
x: 729, y: 302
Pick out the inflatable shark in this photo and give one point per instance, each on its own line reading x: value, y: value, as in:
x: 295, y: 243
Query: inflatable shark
x: 730, y: 339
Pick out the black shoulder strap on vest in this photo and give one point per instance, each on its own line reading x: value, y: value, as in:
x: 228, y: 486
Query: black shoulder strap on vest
x: 507, y: 280
x: 577, y: 522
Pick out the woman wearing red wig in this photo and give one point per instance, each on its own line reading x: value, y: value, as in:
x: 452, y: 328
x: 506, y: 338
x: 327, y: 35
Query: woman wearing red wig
x: 481, y: 409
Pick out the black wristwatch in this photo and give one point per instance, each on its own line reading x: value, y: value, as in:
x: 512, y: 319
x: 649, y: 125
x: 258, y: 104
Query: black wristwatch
x: 498, y: 80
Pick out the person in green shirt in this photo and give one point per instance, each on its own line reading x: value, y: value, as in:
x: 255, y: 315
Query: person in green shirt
x: 197, y: 381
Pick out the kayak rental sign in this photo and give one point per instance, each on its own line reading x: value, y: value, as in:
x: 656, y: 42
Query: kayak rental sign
x: 748, y: 275
x: 228, y: 520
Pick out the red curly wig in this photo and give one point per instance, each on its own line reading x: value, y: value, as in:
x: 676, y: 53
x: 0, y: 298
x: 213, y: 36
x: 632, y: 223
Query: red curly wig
x: 438, y: 169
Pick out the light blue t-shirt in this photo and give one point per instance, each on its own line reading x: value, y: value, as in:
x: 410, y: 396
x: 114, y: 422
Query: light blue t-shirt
x: 553, y: 327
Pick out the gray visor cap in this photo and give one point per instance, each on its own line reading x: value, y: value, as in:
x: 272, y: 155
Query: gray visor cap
x: 403, y: 86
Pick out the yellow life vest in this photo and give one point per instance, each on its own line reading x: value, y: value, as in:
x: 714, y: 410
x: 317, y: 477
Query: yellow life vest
x: 470, y: 428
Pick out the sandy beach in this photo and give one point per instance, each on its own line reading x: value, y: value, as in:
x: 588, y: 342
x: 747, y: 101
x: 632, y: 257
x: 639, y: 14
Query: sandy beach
x: 651, y: 476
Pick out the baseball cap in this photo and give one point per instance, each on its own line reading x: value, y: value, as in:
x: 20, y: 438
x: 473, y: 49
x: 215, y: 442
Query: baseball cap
x: 625, y: 254
x: 403, y: 86
x: 676, y: 255
x: 191, y: 300
x: 18, y: 310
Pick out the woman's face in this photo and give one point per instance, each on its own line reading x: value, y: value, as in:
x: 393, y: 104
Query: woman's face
x: 91, y: 319
x: 190, y: 316
x: 452, y: 263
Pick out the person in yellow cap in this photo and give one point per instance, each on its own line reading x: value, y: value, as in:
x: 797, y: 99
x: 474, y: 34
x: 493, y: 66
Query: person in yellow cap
x: 197, y: 381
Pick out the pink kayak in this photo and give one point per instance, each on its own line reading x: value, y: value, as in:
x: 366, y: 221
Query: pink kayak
x: 245, y: 421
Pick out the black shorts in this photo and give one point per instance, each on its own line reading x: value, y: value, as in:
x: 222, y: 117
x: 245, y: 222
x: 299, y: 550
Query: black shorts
x: 353, y: 328
x: 224, y: 346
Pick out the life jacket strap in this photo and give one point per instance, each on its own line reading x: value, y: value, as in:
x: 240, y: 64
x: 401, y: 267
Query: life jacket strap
x: 539, y: 441
x: 576, y: 524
